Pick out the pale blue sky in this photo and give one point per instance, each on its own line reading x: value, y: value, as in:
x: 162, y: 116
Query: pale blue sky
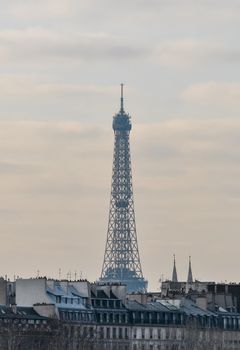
x: 61, y: 63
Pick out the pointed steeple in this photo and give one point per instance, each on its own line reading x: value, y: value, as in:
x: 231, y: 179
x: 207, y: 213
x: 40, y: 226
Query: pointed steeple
x: 122, y: 108
x: 190, y: 276
x: 174, y: 273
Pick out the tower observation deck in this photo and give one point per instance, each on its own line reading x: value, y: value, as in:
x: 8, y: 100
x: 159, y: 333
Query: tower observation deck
x: 121, y: 260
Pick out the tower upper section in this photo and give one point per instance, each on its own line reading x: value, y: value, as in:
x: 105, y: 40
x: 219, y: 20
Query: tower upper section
x: 122, y: 120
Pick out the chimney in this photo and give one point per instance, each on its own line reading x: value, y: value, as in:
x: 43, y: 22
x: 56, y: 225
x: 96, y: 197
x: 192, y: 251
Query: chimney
x: 14, y: 308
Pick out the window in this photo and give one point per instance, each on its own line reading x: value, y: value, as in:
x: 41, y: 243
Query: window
x: 85, y: 331
x: 114, y: 333
x: 58, y: 299
x: 143, y: 333
x: 134, y: 333
x: 120, y: 335
x: 101, y: 333
x: 91, y: 332
x: 108, y: 333
x: 126, y: 333
x: 150, y: 333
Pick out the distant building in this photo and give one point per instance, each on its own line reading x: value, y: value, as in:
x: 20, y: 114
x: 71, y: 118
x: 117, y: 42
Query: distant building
x: 58, y: 299
x: 104, y: 316
x: 7, y: 292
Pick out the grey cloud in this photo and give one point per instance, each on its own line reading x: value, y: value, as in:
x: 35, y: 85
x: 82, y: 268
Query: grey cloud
x: 231, y: 56
x: 25, y: 86
x: 214, y: 93
x: 25, y: 9
x: 52, y: 8
x: 185, y: 52
x: 190, y: 148
x: 17, y: 168
x: 33, y: 45
x: 35, y: 98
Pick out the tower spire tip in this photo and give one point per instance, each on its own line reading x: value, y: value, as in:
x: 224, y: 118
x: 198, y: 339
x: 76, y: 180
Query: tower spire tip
x: 122, y: 108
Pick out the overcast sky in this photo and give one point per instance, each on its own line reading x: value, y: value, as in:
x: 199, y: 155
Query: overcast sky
x: 61, y: 63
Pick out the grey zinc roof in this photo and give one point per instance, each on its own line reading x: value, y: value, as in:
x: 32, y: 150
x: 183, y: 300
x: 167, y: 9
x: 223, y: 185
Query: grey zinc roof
x: 189, y: 308
x: 74, y: 292
x: 186, y: 306
x: 169, y: 305
x: 135, y: 306
x: 152, y: 306
x: 158, y: 306
x: 56, y: 291
x: 22, y: 312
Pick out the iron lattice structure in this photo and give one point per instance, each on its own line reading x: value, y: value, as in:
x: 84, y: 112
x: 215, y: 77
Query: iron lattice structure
x: 121, y: 260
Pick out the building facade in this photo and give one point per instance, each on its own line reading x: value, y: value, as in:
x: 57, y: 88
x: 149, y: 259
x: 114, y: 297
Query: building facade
x: 103, y: 316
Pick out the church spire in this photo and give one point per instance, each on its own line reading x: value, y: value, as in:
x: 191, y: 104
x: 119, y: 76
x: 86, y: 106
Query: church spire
x: 174, y: 273
x: 190, y: 276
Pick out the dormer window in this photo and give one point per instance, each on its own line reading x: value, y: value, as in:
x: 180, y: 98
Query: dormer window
x: 58, y: 299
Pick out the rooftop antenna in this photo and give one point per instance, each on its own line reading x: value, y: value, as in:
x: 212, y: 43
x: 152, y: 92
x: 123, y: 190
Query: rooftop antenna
x: 59, y: 274
x: 122, y: 109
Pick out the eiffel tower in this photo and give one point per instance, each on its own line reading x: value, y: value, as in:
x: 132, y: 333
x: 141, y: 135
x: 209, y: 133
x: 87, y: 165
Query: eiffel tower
x: 121, y: 260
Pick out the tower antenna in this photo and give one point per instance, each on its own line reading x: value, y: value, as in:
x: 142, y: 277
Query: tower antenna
x: 122, y: 108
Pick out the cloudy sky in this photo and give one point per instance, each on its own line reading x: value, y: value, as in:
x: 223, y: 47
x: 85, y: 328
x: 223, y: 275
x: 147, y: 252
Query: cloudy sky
x: 61, y: 63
